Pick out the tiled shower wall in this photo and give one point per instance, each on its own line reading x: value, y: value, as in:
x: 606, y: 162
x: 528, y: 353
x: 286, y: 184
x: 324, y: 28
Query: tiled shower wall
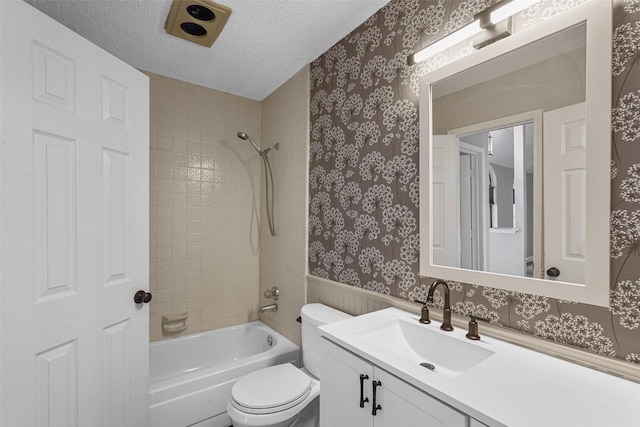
x: 363, y: 186
x: 204, y: 206
x: 285, y: 119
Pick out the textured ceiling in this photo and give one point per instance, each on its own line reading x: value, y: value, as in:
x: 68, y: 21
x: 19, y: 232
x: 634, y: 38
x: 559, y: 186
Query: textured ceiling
x: 264, y: 43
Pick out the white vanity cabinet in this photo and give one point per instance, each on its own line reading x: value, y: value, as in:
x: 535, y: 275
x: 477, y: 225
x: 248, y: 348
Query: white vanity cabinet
x: 344, y: 403
x: 471, y: 382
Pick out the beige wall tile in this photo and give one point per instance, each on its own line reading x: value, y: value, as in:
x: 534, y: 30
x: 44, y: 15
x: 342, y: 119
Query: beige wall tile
x: 196, y: 165
x: 283, y: 257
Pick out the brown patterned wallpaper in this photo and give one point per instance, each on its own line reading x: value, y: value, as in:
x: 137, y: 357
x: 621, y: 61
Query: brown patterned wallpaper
x: 363, y: 179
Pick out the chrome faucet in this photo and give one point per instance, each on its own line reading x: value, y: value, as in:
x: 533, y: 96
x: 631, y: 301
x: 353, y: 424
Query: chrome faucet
x: 446, y: 311
x: 270, y: 307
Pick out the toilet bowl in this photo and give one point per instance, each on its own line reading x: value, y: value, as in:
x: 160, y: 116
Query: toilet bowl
x: 284, y: 395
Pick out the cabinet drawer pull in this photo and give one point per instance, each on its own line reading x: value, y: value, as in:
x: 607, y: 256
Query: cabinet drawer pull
x: 363, y: 399
x: 375, y: 406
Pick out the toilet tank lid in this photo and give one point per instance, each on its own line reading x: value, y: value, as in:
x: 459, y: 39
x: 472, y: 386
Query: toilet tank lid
x: 319, y: 314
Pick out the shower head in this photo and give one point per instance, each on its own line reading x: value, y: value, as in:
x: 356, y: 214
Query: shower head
x: 246, y: 137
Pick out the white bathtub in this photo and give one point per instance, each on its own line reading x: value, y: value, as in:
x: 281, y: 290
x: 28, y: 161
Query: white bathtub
x: 191, y: 376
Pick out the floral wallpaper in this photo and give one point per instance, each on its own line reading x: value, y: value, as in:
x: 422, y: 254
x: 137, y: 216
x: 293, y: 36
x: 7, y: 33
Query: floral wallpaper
x: 363, y: 179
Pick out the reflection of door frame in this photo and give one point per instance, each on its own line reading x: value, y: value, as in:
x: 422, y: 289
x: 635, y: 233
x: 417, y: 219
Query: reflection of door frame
x: 480, y: 249
x: 493, y: 179
x: 535, y: 117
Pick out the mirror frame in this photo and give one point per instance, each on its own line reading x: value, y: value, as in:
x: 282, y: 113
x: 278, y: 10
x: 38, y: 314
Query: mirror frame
x: 596, y: 289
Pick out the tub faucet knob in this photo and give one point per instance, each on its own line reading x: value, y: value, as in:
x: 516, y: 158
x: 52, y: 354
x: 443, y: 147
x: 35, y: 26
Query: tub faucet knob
x: 272, y: 293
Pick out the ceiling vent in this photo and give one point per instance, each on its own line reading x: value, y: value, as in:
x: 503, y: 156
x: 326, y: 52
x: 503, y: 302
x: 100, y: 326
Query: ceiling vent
x: 199, y: 21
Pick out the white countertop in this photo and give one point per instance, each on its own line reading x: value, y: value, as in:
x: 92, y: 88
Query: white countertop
x: 514, y: 387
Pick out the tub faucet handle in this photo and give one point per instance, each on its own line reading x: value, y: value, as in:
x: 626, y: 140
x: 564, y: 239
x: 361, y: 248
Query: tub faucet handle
x: 272, y: 293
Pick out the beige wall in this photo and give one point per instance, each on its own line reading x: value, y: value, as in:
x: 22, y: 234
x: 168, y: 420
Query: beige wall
x: 285, y: 119
x: 204, y: 206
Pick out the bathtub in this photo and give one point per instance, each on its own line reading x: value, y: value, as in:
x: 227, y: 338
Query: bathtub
x: 190, y: 377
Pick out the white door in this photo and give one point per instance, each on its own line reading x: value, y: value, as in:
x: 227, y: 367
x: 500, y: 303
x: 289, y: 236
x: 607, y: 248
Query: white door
x: 74, y: 228
x: 565, y: 157
x: 445, y: 199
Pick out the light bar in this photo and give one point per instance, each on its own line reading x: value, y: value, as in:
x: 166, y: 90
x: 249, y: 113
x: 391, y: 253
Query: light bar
x: 497, y: 13
x: 509, y: 9
x: 446, y: 42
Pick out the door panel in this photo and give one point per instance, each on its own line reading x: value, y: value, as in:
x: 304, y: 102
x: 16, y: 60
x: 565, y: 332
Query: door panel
x: 57, y: 385
x: 74, y: 228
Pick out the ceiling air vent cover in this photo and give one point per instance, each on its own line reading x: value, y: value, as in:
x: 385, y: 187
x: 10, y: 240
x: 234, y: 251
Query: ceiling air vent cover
x: 199, y: 21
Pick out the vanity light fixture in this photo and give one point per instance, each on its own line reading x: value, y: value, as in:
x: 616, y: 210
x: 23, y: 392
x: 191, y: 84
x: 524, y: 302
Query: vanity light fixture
x: 504, y: 10
x: 446, y: 42
x: 490, y: 144
x: 485, y: 20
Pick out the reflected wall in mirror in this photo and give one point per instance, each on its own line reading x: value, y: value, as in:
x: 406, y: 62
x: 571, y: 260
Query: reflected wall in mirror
x: 513, y: 130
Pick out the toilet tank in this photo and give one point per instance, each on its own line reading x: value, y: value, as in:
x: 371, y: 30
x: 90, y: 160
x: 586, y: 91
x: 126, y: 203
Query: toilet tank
x: 313, y: 316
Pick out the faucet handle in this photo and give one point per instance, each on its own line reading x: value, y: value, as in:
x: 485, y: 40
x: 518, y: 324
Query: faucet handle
x: 472, y: 333
x: 424, y: 312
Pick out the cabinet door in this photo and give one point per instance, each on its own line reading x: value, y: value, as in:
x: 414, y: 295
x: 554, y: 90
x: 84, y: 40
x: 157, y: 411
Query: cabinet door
x: 406, y: 406
x: 340, y: 388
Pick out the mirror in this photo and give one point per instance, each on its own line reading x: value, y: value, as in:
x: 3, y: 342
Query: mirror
x: 517, y: 140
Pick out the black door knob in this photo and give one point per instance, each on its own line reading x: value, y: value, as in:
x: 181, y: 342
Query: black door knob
x: 142, y: 297
x: 553, y: 272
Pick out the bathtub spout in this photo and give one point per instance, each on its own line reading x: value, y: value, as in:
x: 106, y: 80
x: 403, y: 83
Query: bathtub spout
x: 270, y: 307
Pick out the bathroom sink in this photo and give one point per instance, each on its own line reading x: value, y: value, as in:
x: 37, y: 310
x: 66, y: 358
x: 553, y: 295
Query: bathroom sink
x: 417, y: 344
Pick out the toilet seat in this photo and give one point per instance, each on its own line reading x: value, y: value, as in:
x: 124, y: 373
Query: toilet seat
x: 270, y: 390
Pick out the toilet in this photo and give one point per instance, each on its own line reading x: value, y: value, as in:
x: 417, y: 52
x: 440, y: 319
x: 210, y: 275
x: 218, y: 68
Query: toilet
x: 284, y: 395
